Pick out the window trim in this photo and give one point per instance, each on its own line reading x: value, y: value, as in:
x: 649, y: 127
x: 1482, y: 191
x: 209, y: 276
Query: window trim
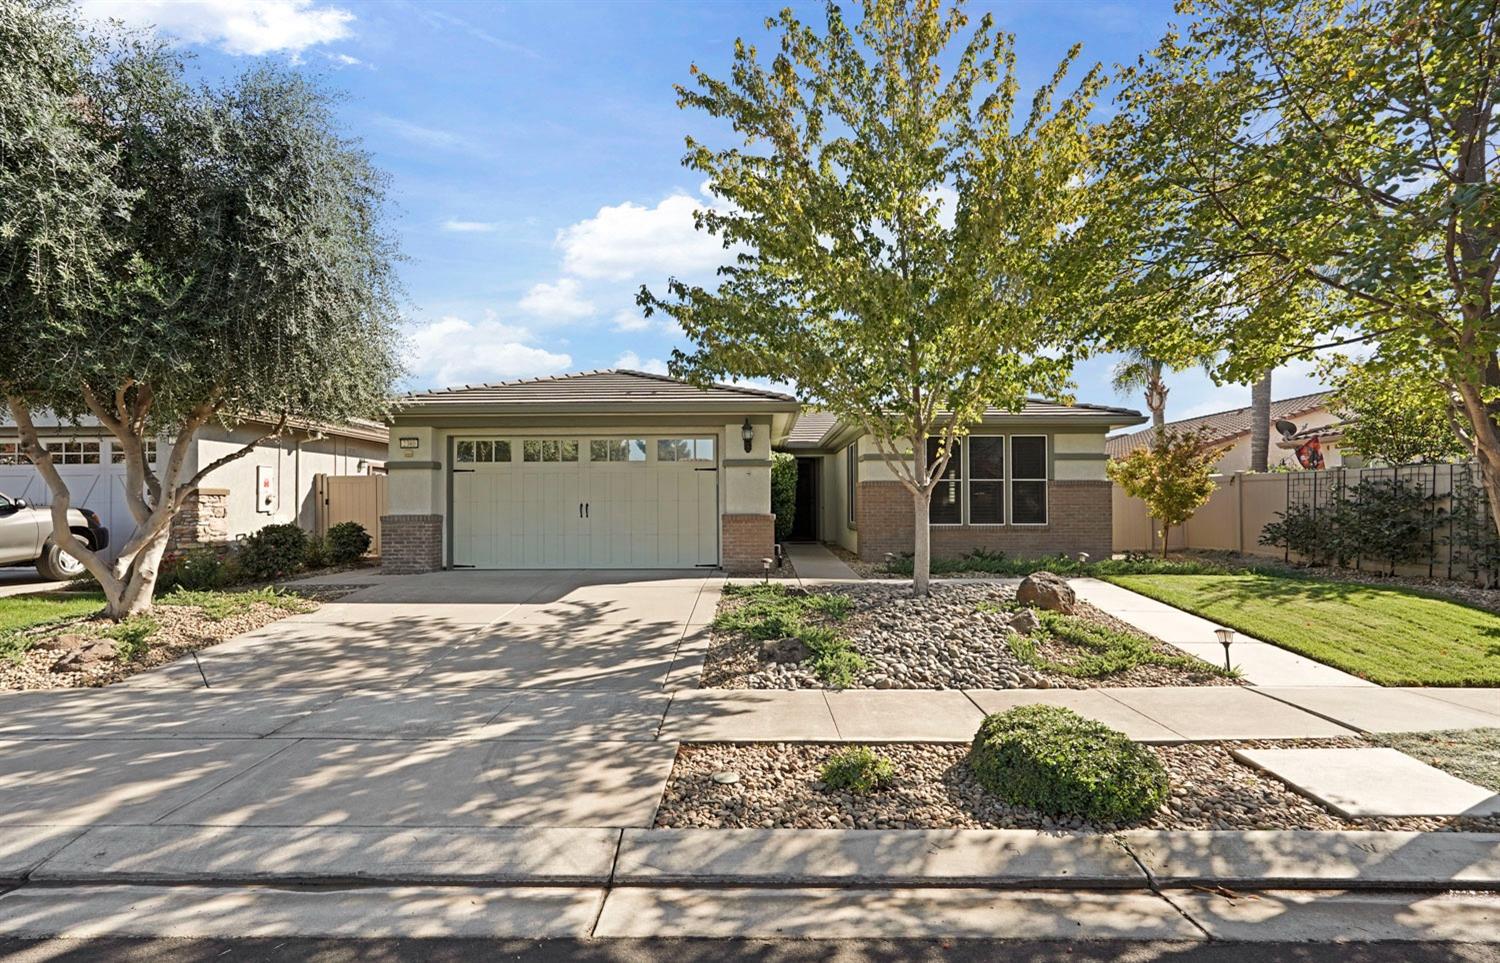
x: 1046, y: 481
x: 963, y: 486
x: 851, y: 481
x: 1004, y: 484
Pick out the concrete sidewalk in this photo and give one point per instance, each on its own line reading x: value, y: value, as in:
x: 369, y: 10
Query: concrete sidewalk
x: 815, y: 563
x: 1260, y: 663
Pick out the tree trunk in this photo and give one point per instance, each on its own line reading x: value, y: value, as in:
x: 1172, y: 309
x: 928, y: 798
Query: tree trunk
x: 1156, y: 396
x: 921, y: 559
x: 1166, y: 536
x: 1486, y: 445
x: 1260, y: 424
x: 140, y: 581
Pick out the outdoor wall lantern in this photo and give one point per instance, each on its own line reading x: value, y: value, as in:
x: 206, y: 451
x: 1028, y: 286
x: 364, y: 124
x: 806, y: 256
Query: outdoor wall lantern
x: 747, y: 432
x: 1226, y: 636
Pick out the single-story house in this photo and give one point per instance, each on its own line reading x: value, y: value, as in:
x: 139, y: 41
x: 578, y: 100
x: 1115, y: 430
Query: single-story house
x: 272, y: 484
x: 625, y: 469
x: 1027, y: 483
x: 1304, y: 434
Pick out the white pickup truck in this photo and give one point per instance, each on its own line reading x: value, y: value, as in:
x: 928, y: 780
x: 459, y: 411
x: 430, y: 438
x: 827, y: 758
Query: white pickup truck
x: 26, y: 537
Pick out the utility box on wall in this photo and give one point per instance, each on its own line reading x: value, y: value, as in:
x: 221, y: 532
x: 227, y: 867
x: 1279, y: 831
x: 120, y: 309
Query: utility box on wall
x: 265, y: 490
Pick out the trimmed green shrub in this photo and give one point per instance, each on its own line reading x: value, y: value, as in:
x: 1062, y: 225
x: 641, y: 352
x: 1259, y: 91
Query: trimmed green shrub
x: 858, y: 770
x: 347, y: 543
x: 784, y: 493
x: 1057, y: 762
x: 272, y: 552
x: 317, y: 554
x: 201, y: 569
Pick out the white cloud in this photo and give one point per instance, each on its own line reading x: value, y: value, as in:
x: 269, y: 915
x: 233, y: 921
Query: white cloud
x: 430, y: 137
x: 470, y: 227
x: 453, y: 351
x: 236, y: 26
x: 630, y: 240
x: 345, y: 60
x: 631, y: 321
x: 633, y: 361
x: 560, y: 301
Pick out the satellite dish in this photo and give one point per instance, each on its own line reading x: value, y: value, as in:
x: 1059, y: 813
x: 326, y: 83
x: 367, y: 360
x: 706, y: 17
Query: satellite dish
x: 1287, y: 428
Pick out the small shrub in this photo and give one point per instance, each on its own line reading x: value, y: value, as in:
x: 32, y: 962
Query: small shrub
x: 784, y: 493
x: 347, y: 543
x: 834, y: 660
x: 1055, y: 761
x: 133, y: 637
x: 273, y: 552
x: 1106, y: 651
x: 201, y: 569
x: 317, y: 553
x: 858, y: 770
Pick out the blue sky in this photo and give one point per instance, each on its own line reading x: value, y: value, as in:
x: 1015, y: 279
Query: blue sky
x: 534, y: 151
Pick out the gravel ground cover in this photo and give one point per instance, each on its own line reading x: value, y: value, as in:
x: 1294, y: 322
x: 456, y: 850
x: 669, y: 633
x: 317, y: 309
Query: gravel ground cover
x: 178, y: 630
x: 959, y: 637
x: 779, y: 787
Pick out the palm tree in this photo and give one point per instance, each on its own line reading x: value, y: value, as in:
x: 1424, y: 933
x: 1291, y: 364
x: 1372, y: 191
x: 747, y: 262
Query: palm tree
x: 1138, y: 371
x: 1260, y: 423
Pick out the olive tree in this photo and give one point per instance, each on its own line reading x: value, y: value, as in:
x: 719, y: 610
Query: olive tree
x: 902, y: 241
x: 200, y: 256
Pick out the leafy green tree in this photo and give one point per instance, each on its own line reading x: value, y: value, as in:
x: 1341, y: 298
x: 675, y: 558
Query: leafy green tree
x: 230, y: 265
x: 905, y: 245
x: 1310, y: 172
x: 1172, y: 477
x: 1395, y: 413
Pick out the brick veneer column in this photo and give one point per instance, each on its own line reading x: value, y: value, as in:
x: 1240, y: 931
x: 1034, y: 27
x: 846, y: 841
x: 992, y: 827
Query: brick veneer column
x: 203, y: 520
x: 747, y: 540
x: 410, y: 544
x: 1079, y: 520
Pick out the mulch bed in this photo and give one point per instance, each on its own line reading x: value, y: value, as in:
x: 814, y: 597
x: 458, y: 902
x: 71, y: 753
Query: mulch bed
x: 779, y: 787
x: 956, y: 638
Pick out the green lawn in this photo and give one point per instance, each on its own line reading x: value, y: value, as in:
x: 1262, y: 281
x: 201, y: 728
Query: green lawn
x: 1387, y: 635
x: 1472, y: 754
x: 25, y: 611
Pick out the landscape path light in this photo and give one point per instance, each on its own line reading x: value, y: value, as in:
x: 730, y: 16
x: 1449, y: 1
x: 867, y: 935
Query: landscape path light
x: 1226, y: 636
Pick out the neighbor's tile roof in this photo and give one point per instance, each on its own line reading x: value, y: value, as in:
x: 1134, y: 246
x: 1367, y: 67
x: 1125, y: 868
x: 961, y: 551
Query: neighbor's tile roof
x: 590, y: 388
x: 813, y: 428
x: 1220, y: 426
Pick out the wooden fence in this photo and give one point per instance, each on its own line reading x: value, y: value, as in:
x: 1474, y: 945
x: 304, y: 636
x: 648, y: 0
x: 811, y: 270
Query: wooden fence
x: 1244, y: 503
x: 351, y: 498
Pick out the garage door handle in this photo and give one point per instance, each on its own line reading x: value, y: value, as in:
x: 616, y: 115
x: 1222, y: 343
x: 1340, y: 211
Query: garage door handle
x: 580, y: 509
x: 586, y: 507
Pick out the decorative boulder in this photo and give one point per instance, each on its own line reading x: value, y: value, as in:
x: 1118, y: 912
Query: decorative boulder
x: 1046, y: 590
x: 785, y: 650
x: 1025, y: 622
x: 61, y: 643
x: 100, y: 650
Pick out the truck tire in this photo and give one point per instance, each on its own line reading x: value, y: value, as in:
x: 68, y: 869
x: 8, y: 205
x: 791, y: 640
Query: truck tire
x: 57, y: 565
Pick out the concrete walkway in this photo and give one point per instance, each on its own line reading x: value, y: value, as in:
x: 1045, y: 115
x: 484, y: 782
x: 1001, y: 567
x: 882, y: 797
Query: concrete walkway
x: 1260, y: 663
x: 815, y: 563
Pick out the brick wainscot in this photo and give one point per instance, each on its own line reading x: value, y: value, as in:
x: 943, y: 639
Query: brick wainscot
x: 747, y: 540
x: 1079, y: 520
x: 410, y: 544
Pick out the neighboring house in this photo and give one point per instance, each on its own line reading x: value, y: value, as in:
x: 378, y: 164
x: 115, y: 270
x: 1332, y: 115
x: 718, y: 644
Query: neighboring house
x: 274, y: 483
x: 624, y: 469
x: 1315, y: 434
x: 1027, y: 483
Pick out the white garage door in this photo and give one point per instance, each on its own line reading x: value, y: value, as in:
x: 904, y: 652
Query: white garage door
x: 585, y: 502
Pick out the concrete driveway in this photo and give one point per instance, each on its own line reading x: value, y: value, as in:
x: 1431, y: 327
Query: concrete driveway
x: 449, y: 700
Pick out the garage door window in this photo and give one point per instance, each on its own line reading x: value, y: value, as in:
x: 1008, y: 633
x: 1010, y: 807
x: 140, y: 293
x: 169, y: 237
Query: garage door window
x: 117, y: 454
x: 618, y: 449
x: 74, y: 452
x: 549, y: 449
x: 483, y: 452
x: 10, y: 454
x: 685, y: 449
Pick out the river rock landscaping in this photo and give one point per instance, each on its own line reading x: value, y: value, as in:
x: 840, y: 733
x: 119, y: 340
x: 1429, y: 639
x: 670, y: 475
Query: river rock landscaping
x: 84, y: 651
x: 962, y: 636
x: 780, y: 786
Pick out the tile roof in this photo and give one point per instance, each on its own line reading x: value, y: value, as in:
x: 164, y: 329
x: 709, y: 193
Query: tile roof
x: 591, y: 388
x: 1220, y: 426
x: 814, y: 428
